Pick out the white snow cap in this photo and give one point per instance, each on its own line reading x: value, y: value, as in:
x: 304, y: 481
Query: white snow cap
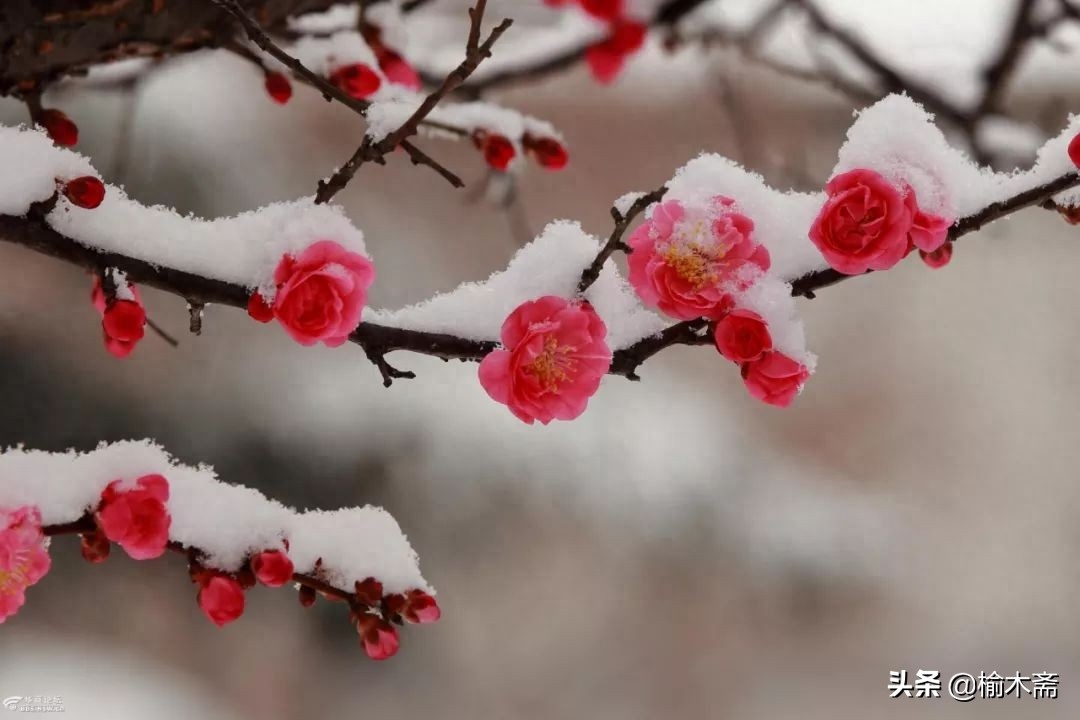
x: 227, y: 522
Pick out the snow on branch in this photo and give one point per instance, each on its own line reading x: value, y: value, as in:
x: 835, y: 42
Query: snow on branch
x: 719, y: 251
x: 135, y: 495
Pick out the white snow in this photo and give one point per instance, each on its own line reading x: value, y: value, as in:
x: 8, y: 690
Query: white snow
x: 243, y: 249
x: 227, y: 522
x: 549, y: 265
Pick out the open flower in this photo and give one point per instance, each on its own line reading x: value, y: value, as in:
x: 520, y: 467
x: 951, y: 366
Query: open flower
x: 553, y: 357
x: 136, y: 518
x: 23, y: 558
x: 320, y: 294
x: 864, y: 223
x: 688, y: 262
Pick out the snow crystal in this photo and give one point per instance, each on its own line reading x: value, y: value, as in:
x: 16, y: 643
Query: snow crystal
x: 549, y: 265
x: 227, y: 522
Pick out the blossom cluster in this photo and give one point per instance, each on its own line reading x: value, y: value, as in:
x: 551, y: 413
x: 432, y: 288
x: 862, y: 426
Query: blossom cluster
x: 625, y: 36
x: 135, y: 516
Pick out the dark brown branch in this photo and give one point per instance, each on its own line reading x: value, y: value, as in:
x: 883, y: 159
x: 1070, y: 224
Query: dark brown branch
x: 807, y: 285
x: 379, y: 340
x: 331, y: 92
x: 370, y: 150
x: 615, y: 241
x: 87, y: 524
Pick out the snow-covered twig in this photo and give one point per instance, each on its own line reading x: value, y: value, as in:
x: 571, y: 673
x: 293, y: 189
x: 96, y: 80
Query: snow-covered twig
x: 372, y: 150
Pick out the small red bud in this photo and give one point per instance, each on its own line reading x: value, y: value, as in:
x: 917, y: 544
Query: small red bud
x: 95, y: 547
x: 60, y: 127
x: 356, y: 80
x: 85, y: 192
x: 369, y: 591
x: 1074, y: 150
x: 549, y: 152
x: 938, y: 258
x: 307, y: 596
x: 278, y: 87
x: 498, y: 150
x: 258, y: 309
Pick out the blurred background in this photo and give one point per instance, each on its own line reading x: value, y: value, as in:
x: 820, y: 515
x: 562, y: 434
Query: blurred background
x: 681, y: 550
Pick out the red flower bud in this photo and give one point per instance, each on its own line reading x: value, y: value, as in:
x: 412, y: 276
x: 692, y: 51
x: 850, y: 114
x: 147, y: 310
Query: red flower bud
x: 369, y: 591
x: 422, y: 608
x: 549, y: 152
x: 95, y: 547
x: 278, y: 87
x: 307, y: 596
x: 742, y: 336
x: 498, y: 150
x: 258, y: 309
x: 221, y: 599
x: 273, y: 568
x: 379, y: 637
x: 356, y: 80
x: 1074, y: 150
x: 85, y: 192
x: 603, y: 9
x: 938, y: 258
x: 124, y: 320
x: 60, y: 127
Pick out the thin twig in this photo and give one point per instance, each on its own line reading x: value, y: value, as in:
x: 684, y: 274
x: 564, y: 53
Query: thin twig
x: 615, y: 242
x: 370, y: 150
x: 329, y: 91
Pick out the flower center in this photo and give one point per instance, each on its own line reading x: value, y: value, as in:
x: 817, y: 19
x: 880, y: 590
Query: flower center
x: 695, y: 254
x: 15, y: 577
x: 553, y: 365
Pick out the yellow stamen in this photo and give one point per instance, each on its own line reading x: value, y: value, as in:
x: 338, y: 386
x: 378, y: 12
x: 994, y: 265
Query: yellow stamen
x: 552, y: 365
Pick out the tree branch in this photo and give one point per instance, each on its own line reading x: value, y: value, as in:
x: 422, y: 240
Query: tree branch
x: 367, y: 150
x: 614, y: 242
x: 377, y: 340
x: 370, y: 150
x: 809, y: 284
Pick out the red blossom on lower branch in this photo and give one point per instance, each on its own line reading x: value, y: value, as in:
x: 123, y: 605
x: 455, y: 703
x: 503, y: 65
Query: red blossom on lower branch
x: 549, y: 152
x: 23, y: 558
x: 1074, y: 150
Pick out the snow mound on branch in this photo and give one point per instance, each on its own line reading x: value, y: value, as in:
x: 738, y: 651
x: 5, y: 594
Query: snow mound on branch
x: 898, y: 138
x: 392, y: 108
x: 895, y: 137
x: 227, y: 522
x: 549, y: 265
x: 243, y: 249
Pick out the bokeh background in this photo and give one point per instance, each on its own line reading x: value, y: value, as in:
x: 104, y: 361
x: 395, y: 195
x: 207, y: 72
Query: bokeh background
x: 680, y: 550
